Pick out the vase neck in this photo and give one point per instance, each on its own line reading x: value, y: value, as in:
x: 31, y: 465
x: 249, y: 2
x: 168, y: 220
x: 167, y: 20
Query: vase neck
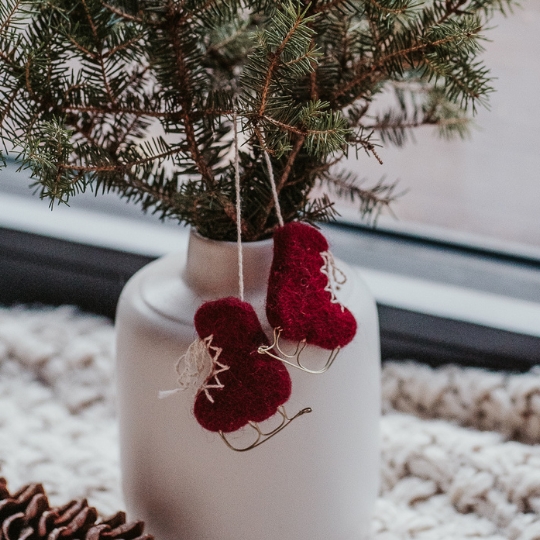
x: 212, y: 265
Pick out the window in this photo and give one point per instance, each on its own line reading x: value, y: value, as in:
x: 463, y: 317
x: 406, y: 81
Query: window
x: 484, y: 190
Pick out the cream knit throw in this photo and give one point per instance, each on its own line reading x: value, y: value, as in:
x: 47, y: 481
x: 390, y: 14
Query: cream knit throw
x: 458, y: 454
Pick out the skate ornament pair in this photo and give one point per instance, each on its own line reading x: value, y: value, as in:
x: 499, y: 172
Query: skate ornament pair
x: 241, y: 379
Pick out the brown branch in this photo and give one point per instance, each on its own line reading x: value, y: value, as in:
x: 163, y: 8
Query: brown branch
x: 121, y: 13
x: 328, y: 6
x: 27, y: 76
x: 313, y: 87
x: 35, y: 117
x: 122, y: 167
x: 290, y: 162
x: 90, y: 20
x: 10, y: 16
x: 200, y: 9
x: 133, y: 181
x: 106, y: 80
x: 457, y: 82
x: 370, y: 147
x: 300, y: 132
x: 451, y: 10
x: 72, y: 88
x: 215, y: 48
x: 377, y: 65
x: 378, y: 196
x: 428, y: 121
x: 387, y: 10
x: 82, y: 49
x: 117, y: 144
x: 274, y: 64
x: 127, y: 43
x: 121, y: 110
x: 7, y: 108
x: 281, y: 125
x: 6, y: 58
x: 99, y: 57
x: 217, y: 112
x: 397, y: 125
x: 326, y: 166
x: 296, y: 60
x: 183, y: 77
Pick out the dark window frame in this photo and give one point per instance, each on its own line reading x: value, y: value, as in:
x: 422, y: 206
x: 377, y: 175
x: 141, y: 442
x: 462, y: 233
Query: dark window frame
x: 44, y: 270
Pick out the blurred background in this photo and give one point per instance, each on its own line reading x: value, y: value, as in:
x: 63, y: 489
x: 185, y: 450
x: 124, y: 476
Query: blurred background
x: 482, y: 191
x: 485, y: 189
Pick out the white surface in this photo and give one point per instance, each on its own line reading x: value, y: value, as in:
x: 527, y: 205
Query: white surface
x: 87, y: 227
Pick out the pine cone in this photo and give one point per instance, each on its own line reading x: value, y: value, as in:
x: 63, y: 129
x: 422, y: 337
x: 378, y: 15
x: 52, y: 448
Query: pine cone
x: 26, y: 515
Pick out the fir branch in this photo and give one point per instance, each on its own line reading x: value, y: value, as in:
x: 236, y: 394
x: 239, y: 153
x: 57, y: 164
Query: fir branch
x: 6, y: 108
x: 329, y: 5
x: 82, y: 49
x: 81, y: 83
x: 6, y: 59
x: 403, y: 6
x: 363, y: 75
x: 452, y: 7
x: 276, y: 61
x: 9, y: 14
x: 366, y: 144
x: 290, y: 162
x: 186, y: 100
x: 122, y: 14
x: 372, y: 201
x: 112, y: 109
x: 119, y: 166
x: 122, y: 46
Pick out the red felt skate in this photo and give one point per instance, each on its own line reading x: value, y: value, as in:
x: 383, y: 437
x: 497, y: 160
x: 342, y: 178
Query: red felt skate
x: 244, y: 387
x: 301, y: 304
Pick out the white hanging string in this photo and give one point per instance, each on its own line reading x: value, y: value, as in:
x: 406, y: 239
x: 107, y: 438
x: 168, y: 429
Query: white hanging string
x: 272, y: 184
x: 238, y: 210
x: 198, y: 361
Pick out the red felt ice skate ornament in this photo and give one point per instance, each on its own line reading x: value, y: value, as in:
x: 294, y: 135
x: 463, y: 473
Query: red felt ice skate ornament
x: 244, y: 387
x: 301, y: 304
x: 240, y: 386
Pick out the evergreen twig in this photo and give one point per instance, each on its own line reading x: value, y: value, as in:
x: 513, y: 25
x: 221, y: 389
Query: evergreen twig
x: 137, y: 96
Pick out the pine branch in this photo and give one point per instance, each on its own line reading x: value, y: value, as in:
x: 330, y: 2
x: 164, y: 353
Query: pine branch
x: 363, y: 75
x: 371, y: 201
x: 4, y: 113
x: 8, y: 13
x: 122, y: 14
x: 330, y: 5
x: 399, y: 7
x: 83, y: 83
x: 182, y: 76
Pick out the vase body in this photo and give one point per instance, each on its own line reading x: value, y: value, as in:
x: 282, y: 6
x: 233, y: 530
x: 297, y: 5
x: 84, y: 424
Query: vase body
x: 315, y: 480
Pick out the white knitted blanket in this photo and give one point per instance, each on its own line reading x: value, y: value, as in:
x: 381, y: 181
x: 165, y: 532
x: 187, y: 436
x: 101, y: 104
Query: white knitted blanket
x: 458, y: 453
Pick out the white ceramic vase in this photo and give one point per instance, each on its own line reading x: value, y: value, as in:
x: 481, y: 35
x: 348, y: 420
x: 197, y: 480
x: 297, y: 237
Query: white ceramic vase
x: 315, y: 480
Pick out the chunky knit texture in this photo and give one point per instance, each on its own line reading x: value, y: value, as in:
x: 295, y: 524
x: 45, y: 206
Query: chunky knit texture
x: 460, y: 453
x: 246, y: 386
x: 298, y: 301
